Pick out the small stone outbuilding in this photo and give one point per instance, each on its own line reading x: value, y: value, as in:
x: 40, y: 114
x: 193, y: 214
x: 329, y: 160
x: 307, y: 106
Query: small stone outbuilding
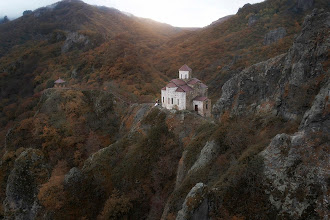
x: 60, y: 83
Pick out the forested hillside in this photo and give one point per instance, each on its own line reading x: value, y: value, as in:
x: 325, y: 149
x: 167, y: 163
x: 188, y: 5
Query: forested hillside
x: 100, y: 149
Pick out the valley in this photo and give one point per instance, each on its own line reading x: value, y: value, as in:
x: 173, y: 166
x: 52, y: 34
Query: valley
x: 100, y: 149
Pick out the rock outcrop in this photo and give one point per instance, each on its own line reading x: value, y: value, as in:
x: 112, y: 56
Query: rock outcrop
x: 75, y: 41
x: 29, y: 172
x: 208, y: 153
x: 297, y: 166
x: 285, y: 85
x: 195, y: 206
x: 274, y: 35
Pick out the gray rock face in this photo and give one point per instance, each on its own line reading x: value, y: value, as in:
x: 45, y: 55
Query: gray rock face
x: 297, y: 175
x: 247, y: 91
x: 318, y: 115
x: 285, y: 85
x: 208, y: 153
x: 274, y: 35
x: 29, y: 172
x: 74, y: 176
x: 297, y: 166
x: 74, y: 40
x: 195, y: 206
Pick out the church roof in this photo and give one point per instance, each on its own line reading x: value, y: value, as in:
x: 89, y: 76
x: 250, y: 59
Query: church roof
x: 200, y: 98
x: 171, y: 85
x: 179, y: 89
x: 193, y: 81
x: 178, y: 82
x: 182, y: 86
x: 186, y: 88
x: 59, y: 81
x: 185, y: 68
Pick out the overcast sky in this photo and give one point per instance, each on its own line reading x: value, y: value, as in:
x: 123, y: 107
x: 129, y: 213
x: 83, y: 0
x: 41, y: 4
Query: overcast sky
x: 180, y: 13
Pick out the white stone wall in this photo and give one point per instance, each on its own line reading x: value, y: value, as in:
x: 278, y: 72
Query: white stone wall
x: 200, y: 107
x: 163, y: 98
x: 202, y: 110
x: 179, y: 99
x: 184, y: 75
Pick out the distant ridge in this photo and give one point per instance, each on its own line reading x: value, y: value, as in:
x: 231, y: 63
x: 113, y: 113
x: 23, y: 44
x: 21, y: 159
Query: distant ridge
x: 221, y: 20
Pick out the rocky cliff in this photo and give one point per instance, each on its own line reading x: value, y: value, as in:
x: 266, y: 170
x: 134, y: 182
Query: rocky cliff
x: 297, y: 166
x: 287, y: 84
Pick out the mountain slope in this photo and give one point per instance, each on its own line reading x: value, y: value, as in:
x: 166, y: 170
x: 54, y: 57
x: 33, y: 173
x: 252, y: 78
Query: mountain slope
x: 87, y: 152
x: 218, y: 51
x: 90, y: 47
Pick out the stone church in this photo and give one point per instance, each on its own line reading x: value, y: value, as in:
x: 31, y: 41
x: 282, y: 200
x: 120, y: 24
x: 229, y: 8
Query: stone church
x: 186, y: 93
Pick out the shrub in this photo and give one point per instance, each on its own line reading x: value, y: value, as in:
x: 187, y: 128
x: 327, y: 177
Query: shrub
x: 116, y: 207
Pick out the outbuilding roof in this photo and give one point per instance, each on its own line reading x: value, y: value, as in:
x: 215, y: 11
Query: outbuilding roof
x: 203, y: 85
x: 59, y: 81
x: 200, y: 98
